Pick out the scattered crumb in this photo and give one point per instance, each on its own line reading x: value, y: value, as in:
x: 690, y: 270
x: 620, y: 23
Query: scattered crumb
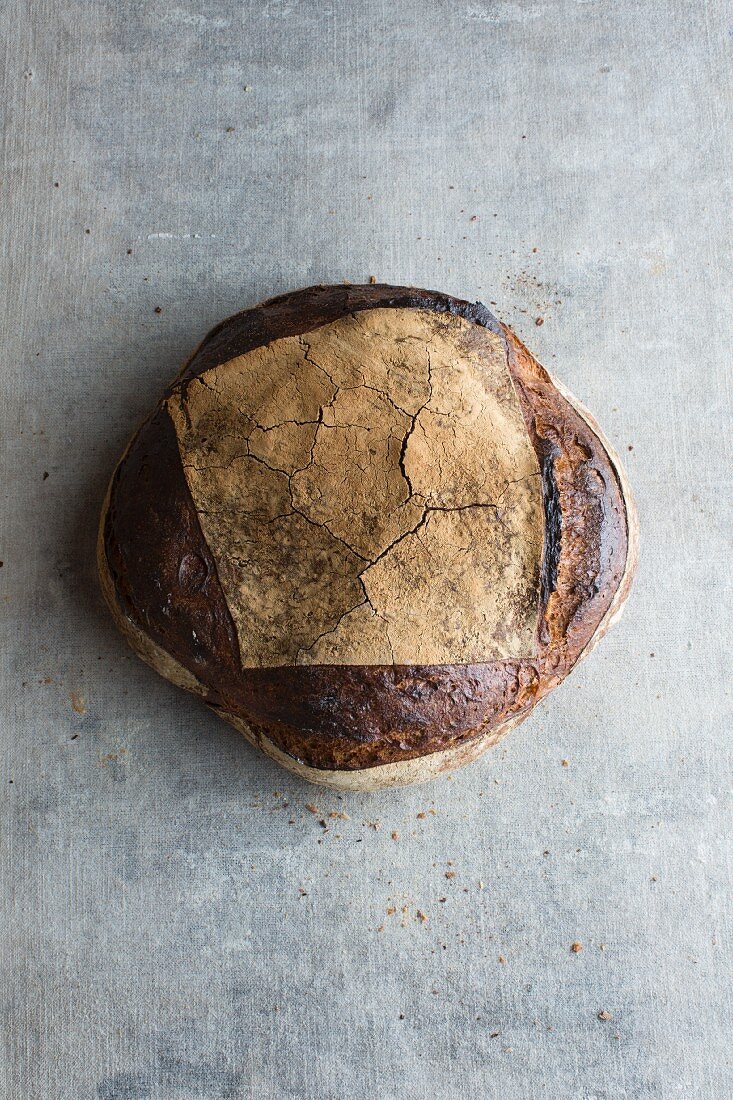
x: 158, y: 309
x: 230, y: 129
x: 421, y: 916
x: 502, y: 960
x: 539, y: 321
x: 380, y: 928
x: 494, y: 1035
x: 605, y: 1015
x: 311, y: 808
x: 565, y: 763
x: 576, y: 947
x: 630, y: 447
x: 390, y: 910
x: 450, y: 874
x: 473, y: 218
x: 78, y: 702
x: 421, y: 816
x: 129, y: 252
x: 109, y: 757
x: 45, y: 475
x: 372, y: 279
x: 395, y: 835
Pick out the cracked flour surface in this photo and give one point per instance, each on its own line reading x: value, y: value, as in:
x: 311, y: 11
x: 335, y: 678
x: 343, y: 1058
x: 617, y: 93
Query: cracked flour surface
x: 369, y: 493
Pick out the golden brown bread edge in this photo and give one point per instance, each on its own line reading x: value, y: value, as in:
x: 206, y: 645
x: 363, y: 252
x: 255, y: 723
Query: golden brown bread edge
x: 362, y: 727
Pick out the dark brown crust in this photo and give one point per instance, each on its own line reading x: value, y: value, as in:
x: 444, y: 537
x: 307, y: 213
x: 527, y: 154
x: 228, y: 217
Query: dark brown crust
x: 164, y: 575
x: 348, y: 717
x: 304, y: 310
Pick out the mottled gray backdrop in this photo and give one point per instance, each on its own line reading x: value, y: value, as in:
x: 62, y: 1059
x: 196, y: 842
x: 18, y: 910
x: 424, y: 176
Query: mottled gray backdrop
x: 177, y: 923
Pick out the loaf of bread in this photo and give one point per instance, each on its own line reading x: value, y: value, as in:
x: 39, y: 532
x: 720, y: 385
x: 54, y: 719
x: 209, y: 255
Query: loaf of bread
x: 369, y: 530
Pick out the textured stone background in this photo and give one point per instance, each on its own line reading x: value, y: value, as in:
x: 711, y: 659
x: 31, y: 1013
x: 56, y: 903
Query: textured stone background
x: 171, y: 929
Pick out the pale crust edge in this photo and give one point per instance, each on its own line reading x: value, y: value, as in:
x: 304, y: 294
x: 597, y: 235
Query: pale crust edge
x: 382, y: 776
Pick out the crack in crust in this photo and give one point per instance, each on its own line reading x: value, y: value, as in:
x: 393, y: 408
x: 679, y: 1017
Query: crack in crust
x: 397, y: 438
x: 163, y: 580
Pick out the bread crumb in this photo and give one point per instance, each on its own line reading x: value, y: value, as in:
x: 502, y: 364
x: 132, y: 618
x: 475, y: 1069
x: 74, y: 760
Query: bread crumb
x: 605, y: 1015
x: 421, y: 816
x: 421, y: 916
x: 539, y: 321
x: 565, y: 763
x: 78, y: 703
x: 311, y: 808
x: 450, y: 874
x: 372, y: 279
x: 576, y: 947
x: 395, y: 835
x: 502, y: 960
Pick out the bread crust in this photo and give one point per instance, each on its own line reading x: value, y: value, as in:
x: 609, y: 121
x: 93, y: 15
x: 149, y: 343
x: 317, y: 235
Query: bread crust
x: 344, y: 725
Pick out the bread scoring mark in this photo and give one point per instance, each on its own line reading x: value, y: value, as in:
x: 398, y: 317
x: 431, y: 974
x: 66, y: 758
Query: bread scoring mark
x: 369, y: 493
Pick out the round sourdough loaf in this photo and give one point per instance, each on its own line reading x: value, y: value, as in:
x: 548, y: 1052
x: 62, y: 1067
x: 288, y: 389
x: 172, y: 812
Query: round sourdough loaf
x: 369, y: 530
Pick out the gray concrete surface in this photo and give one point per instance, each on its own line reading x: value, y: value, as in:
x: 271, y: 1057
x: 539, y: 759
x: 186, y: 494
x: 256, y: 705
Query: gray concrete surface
x: 174, y: 928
